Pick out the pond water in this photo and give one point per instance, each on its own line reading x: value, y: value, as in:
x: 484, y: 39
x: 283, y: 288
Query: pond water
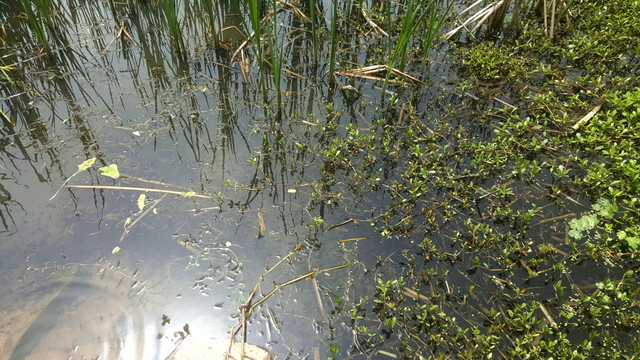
x: 89, y: 274
x: 192, y: 122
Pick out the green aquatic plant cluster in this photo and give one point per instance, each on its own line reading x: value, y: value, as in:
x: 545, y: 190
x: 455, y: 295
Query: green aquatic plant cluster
x: 554, y: 131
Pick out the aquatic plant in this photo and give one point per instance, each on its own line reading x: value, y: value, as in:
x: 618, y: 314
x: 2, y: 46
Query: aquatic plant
x: 334, y: 41
x: 171, y: 16
x: 4, y: 72
x: 38, y: 19
x: 210, y: 8
x: 416, y: 12
x: 314, y: 35
x: 254, y: 15
x: 432, y: 29
x: 276, y: 56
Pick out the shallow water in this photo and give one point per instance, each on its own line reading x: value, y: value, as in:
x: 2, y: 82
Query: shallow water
x: 193, y: 122
x: 189, y: 121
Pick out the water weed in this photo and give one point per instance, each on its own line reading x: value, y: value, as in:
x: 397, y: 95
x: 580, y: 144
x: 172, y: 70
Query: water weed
x: 276, y: 56
x: 254, y: 14
x: 171, y: 16
x: 334, y: 40
x: 39, y: 17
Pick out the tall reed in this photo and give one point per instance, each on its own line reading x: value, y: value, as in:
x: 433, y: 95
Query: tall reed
x: 314, y: 35
x: 276, y: 56
x: 334, y: 42
x: 211, y: 11
x: 4, y: 75
x: 254, y: 14
x: 170, y: 13
x: 38, y: 19
x: 417, y: 11
x: 436, y: 19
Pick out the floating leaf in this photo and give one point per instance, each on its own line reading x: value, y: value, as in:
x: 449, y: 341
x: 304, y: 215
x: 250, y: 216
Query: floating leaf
x: 155, y: 211
x: 188, y: 193
x: 86, y: 164
x: 136, y: 133
x: 115, y: 250
x: 291, y: 191
x: 111, y: 171
x: 141, y: 200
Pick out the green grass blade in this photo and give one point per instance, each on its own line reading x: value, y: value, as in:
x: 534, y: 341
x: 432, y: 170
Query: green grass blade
x: 254, y: 14
x: 276, y: 56
x: 314, y: 35
x: 36, y: 21
x: 334, y: 42
x: 212, y: 12
x: 170, y: 14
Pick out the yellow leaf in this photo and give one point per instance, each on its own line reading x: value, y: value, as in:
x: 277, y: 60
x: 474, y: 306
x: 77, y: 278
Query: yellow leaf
x: 111, y: 171
x: 141, y: 200
x: 115, y: 250
x: 86, y: 164
x: 188, y: 193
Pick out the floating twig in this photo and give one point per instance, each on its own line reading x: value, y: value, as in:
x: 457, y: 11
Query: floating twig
x: 376, y: 28
x: 546, y: 313
x: 352, y: 239
x: 129, y: 188
x: 152, y: 206
x: 587, y: 117
x: 368, y: 72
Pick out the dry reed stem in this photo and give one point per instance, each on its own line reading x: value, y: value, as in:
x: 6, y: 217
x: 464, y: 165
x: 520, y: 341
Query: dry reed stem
x: 553, y: 19
x: 376, y: 28
x: 587, y: 117
x: 129, y: 188
x: 483, y: 14
x: 128, y: 228
x: 351, y: 239
x: 367, y: 71
x: 546, y: 313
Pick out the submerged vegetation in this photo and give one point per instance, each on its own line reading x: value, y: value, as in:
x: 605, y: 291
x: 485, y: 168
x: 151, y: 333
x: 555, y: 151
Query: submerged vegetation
x: 502, y: 191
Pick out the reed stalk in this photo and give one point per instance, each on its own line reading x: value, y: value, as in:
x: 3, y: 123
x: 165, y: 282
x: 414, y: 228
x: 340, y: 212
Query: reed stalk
x: 436, y: 19
x: 334, y: 42
x: 38, y: 18
x: 211, y: 11
x: 314, y: 35
x: 254, y: 14
x: 171, y: 15
x: 415, y: 14
x: 276, y: 56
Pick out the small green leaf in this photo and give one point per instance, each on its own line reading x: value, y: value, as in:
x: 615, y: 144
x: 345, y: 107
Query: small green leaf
x: 111, y: 171
x: 333, y: 348
x: 629, y: 273
x: 188, y: 194
x: 86, y: 164
x: 115, y: 250
x: 141, y: 200
x: 633, y: 242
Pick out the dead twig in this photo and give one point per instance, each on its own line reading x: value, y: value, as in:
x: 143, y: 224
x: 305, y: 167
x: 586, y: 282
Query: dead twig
x: 130, y: 226
x: 368, y: 72
x: 129, y: 188
x: 376, y: 28
x: 587, y: 117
